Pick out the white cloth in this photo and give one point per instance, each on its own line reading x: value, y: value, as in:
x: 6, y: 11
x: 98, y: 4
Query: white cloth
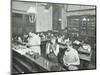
x: 36, y: 49
x: 35, y: 42
x: 71, y: 57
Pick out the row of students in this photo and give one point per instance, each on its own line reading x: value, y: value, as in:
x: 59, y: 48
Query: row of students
x: 70, y: 56
x: 55, y: 51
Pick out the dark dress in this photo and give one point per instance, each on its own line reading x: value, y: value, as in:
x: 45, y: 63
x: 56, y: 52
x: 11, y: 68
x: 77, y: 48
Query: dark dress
x: 51, y: 56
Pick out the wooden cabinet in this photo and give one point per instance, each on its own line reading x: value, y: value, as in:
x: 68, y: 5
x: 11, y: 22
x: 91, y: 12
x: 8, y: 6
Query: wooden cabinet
x: 73, y: 25
x: 17, y: 24
x: 21, y: 25
x: 82, y: 25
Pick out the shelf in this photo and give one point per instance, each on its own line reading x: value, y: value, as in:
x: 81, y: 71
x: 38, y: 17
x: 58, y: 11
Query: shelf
x: 84, y: 28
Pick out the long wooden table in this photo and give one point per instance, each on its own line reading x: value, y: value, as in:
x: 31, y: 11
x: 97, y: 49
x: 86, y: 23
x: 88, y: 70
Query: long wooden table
x: 42, y: 62
x: 84, y: 55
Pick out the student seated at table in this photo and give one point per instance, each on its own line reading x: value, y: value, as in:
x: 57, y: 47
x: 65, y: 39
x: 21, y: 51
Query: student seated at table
x: 85, y: 50
x: 71, y: 59
x: 60, y: 39
x: 66, y: 40
x: 25, y: 37
x: 42, y: 36
x: 52, y: 50
x: 34, y: 43
x: 19, y: 39
x: 76, y: 44
x: 52, y: 35
x: 86, y: 46
x: 48, y: 36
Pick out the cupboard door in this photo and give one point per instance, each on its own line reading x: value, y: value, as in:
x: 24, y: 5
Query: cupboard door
x: 73, y: 23
x: 84, y: 25
x: 17, y: 23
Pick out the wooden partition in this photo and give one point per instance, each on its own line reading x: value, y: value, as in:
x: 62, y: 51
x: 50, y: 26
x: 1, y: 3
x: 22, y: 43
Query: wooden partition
x: 21, y: 25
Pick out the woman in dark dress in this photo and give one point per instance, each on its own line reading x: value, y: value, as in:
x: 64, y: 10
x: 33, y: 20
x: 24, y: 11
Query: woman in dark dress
x: 52, y: 50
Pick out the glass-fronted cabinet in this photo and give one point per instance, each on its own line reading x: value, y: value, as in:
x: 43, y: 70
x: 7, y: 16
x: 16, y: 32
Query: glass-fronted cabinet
x: 83, y: 25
